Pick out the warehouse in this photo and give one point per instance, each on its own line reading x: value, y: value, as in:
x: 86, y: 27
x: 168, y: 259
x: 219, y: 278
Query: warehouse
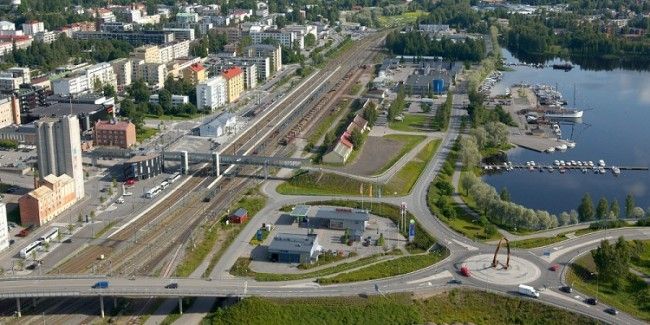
x: 294, y: 248
x: 341, y: 218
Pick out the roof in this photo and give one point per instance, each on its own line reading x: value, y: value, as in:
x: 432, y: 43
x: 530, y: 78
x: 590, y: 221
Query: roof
x: 60, y: 109
x: 360, y: 121
x: 108, y: 125
x: 142, y: 158
x: 196, y: 67
x: 415, y: 80
x: 232, y: 72
x: 300, y: 211
x: 342, y: 214
x: 343, y: 140
x: 293, y: 243
x: 240, y: 212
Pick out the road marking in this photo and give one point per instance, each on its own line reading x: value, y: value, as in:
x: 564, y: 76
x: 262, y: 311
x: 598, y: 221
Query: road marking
x: 303, y: 285
x: 441, y: 275
x: 469, y: 247
x: 552, y: 256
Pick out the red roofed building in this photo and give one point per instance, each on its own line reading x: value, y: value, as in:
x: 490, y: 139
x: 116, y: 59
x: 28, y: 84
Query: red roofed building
x: 234, y: 83
x: 21, y: 41
x: 343, y: 148
x: 195, y: 73
x: 114, y: 133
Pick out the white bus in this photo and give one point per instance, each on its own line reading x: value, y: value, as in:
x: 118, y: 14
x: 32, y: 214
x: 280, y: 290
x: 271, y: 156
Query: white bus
x: 174, y: 178
x: 153, y: 192
x: 52, y: 234
x: 33, y: 247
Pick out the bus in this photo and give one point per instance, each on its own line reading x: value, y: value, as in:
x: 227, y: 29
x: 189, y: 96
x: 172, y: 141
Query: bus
x: 174, y: 178
x: 33, y: 247
x: 153, y: 192
x: 52, y: 234
x: 164, y: 185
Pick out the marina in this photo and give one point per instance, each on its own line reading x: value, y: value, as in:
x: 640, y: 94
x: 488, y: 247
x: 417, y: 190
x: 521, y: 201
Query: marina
x: 562, y: 167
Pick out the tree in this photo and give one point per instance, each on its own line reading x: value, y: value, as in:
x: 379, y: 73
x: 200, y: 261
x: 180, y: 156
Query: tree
x: 614, y: 209
x: 573, y: 215
x: 586, y: 208
x: 445, y: 187
x: 70, y: 228
x: 637, y: 213
x: 467, y: 180
x: 97, y: 85
x: 470, y: 155
x: 564, y: 218
x: 109, y: 90
x: 356, y: 138
x: 280, y: 21
x: 381, y: 241
x: 310, y: 40
x: 603, y: 209
x: 370, y: 114
x: 139, y: 91
x: 165, y: 100
x: 505, y: 195
x: 629, y: 205
x: 329, y: 139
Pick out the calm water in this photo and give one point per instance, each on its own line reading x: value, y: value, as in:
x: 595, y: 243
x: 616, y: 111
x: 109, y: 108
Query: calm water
x: 615, y: 127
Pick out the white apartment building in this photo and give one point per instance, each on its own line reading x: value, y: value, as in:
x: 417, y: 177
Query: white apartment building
x: 32, y: 27
x: 177, y: 100
x: 171, y: 51
x: 262, y: 65
x: 85, y: 80
x: 46, y: 37
x: 286, y: 39
x: 9, y: 111
x: 123, y: 69
x: 154, y: 74
x: 211, y: 93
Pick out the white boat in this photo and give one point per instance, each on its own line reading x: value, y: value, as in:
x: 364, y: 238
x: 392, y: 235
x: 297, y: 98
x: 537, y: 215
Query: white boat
x: 561, y: 147
x: 563, y: 113
x: 584, y: 170
x: 571, y: 144
x: 562, y: 163
x: 550, y: 169
x: 532, y: 163
x: 562, y: 170
x: 601, y: 163
x: 590, y: 163
x: 556, y: 163
x: 616, y: 170
x: 573, y: 163
x: 551, y: 149
x: 601, y: 170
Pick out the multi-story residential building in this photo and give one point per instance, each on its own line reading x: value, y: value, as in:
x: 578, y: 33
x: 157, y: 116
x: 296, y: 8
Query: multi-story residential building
x: 6, y: 26
x: 54, y: 195
x: 250, y: 75
x: 195, y: 73
x: 286, y: 39
x: 262, y: 65
x: 32, y: 27
x: 6, y: 48
x: 4, y: 230
x: 46, y: 37
x: 116, y: 26
x: 20, y: 42
x: 123, y: 69
x: 99, y: 74
x: 235, y: 82
x: 177, y: 100
x: 114, y: 133
x: 211, y: 93
x: 59, y: 149
x: 134, y: 38
x: 266, y: 50
x: 187, y: 17
x: 185, y: 34
x: 234, y: 34
x: 148, y: 53
x: 9, y: 111
x: 175, y: 50
x: 154, y: 74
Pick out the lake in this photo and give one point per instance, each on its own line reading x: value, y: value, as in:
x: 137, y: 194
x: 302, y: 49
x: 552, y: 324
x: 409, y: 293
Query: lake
x: 615, y: 127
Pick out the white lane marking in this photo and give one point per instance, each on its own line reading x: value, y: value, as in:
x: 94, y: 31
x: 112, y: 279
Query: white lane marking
x: 563, y: 251
x: 441, y: 275
x: 469, y: 247
x: 303, y: 285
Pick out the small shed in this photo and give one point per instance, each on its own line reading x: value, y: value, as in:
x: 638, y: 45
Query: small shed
x: 239, y: 216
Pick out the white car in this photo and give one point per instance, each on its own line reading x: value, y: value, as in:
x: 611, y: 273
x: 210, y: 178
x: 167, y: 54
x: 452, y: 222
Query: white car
x: 120, y: 201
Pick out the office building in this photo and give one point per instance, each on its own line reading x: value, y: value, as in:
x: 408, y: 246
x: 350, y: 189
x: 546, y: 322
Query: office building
x: 114, y: 133
x: 235, y: 82
x: 54, y: 195
x: 9, y: 111
x: 211, y: 93
x: 59, y: 149
x: 4, y: 230
x: 195, y: 73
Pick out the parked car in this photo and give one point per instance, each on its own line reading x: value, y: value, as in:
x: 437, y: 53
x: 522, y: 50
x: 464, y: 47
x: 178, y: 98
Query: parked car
x: 172, y: 286
x: 611, y: 311
x: 591, y: 301
x: 130, y: 181
x: 566, y: 289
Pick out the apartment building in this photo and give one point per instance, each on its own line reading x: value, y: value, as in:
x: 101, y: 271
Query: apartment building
x: 123, y: 69
x: 195, y: 73
x: 266, y: 50
x: 115, y: 133
x: 287, y: 39
x: 54, y: 195
x: 9, y: 111
x: 235, y: 82
x: 211, y: 93
x: 85, y: 80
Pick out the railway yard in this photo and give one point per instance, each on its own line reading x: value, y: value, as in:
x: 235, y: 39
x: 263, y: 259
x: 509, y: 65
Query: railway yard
x: 152, y: 244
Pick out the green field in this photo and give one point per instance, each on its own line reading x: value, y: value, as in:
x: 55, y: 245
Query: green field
x: 630, y: 296
x: 145, y: 133
x: 456, y: 306
x: 402, y: 182
x: 412, y: 123
x: 409, y: 141
x: 401, y: 265
x: 401, y: 20
x: 315, y: 183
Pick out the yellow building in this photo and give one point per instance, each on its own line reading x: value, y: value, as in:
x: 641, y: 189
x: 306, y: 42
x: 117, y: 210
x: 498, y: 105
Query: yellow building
x: 195, y: 73
x: 234, y: 83
x: 51, y: 198
x: 148, y: 53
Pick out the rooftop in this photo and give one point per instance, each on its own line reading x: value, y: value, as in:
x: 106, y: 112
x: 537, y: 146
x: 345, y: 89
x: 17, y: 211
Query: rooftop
x: 60, y: 109
x: 232, y: 72
x: 293, y: 243
x: 112, y: 125
x: 342, y: 214
x: 300, y: 211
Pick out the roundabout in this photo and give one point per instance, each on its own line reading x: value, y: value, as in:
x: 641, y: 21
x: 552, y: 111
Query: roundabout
x: 521, y: 271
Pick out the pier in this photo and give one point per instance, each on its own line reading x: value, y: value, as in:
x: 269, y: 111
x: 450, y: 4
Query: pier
x: 561, y: 168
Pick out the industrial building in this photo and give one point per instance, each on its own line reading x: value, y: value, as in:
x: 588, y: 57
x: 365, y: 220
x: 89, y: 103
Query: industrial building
x: 54, y: 195
x: 58, y: 144
x: 356, y: 220
x: 219, y: 126
x: 114, y: 133
x: 143, y: 167
x: 293, y: 248
x: 23, y: 134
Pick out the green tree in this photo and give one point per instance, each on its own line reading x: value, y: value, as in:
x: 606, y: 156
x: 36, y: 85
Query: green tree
x: 329, y: 139
x: 586, y: 208
x: 381, y: 241
x: 97, y: 85
x: 614, y: 209
x: 139, y: 91
x: 629, y: 205
x: 310, y: 40
x: 356, y: 138
x: 370, y: 114
x: 602, y: 210
x: 504, y: 195
x: 445, y: 187
x: 612, y: 261
x: 109, y: 90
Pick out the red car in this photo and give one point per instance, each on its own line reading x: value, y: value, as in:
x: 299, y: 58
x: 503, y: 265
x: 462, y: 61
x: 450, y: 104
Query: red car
x: 554, y: 267
x: 130, y: 181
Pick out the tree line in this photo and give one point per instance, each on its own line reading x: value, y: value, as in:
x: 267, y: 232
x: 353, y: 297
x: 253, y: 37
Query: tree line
x: 419, y: 44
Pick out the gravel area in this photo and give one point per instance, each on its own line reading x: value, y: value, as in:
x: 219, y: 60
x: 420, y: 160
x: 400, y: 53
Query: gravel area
x: 376, y: 152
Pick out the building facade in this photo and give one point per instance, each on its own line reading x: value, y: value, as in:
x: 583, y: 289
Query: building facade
x: 58, y: 143
x: 286, y: 39
x: 235, y: 83
x: 83, y: 81
x: 211, y: 93
x: 273, y: 52
x: 134, y: 38
x: 54, y: 195
x: 4, y: 231
x: 195, y: 73
x: 115, y: 134
x: 143, y: 167
x: 293, y: 248
x: 123, y: 69
x: 9, y: 111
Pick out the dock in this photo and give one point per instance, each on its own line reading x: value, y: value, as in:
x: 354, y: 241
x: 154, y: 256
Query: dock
x: 536, y: 143
x: 564, y: 168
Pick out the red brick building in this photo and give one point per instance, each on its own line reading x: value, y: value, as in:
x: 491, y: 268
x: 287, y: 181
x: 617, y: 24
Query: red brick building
x: 114, y: 133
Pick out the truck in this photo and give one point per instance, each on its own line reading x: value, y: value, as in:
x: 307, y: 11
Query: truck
x: 528, y: 291
x: 100, y: 285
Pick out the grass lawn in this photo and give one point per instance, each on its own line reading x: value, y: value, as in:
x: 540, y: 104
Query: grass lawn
x: 254, y: 241
x: 412, y: 123
x: 409, y: 141
x: 355, y: 89
x: 402, y: 182
x: 105, y: 229
x: 401, y: 265
x: 145, y: 133
x: 401, y: 20
x: 315, y: 183
x: 322, y: 128
x: 631, y: 296
x: 456, y: 306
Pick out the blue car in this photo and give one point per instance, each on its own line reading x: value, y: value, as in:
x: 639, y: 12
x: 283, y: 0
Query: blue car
x: 101, y: 285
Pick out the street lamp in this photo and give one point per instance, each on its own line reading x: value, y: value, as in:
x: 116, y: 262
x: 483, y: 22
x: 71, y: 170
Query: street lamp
x: 597, y: 282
